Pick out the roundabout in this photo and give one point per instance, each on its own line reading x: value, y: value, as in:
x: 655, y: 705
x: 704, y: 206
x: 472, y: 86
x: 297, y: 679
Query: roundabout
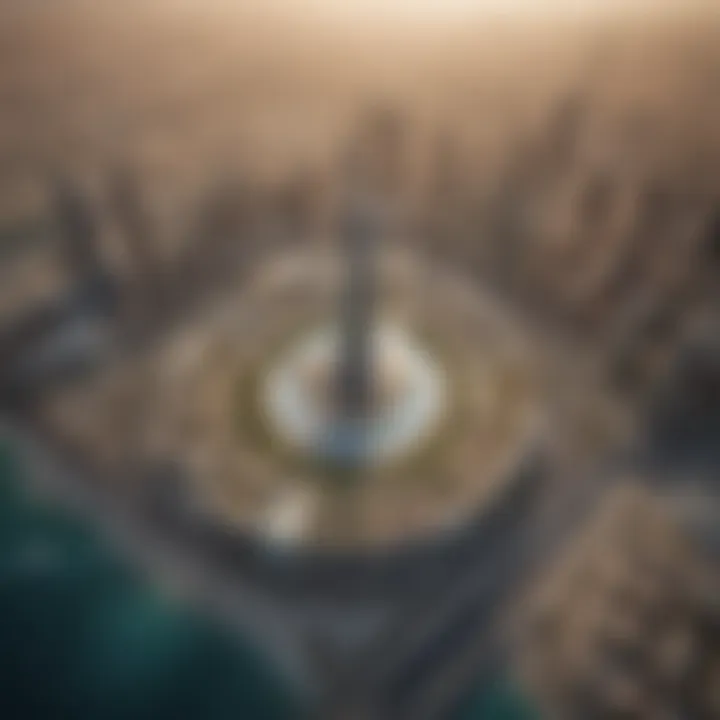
x: 356, y: 401
x: 454, y: 410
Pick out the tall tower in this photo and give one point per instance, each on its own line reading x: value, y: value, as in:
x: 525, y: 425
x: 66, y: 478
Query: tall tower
x: 354, y: 389
x: 371, y: 173
x: 361, y: 391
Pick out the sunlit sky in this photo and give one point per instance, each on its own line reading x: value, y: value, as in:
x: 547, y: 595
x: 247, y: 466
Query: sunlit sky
x: 437, y: 12
x: 434, y: 10
x: 447, y: 7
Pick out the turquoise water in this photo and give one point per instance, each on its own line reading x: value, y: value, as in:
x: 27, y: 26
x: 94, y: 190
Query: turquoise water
x: 502, y: 700
x: 83, y: 637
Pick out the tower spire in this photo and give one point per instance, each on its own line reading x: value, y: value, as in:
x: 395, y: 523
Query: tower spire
x: 360, y: 233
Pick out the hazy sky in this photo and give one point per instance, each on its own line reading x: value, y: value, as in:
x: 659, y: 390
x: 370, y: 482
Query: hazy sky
x: 434, y: 10
x: 401, y: 12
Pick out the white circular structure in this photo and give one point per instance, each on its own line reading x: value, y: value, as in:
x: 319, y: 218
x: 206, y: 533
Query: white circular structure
x: 409, y: 399
x: 251, y: 402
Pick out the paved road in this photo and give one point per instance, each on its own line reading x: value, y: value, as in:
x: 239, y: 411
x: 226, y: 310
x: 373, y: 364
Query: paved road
x: 427, y: 664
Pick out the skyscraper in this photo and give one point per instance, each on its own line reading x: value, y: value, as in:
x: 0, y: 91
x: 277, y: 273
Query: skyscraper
x: 355, y: 370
